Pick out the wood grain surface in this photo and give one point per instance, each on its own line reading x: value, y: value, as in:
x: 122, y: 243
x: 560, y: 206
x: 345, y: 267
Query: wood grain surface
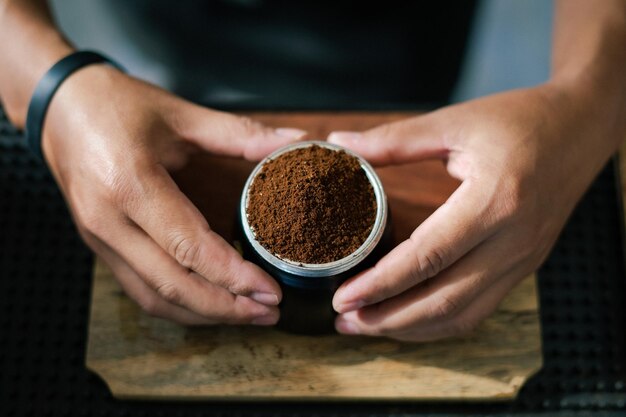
x: 143, y: 357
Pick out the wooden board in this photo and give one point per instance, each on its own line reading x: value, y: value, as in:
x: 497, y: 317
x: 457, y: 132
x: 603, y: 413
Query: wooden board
x: 143, y: 357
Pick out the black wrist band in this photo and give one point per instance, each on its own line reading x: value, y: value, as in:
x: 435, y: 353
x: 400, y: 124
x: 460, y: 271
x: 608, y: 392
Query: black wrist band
x: 48, y: 85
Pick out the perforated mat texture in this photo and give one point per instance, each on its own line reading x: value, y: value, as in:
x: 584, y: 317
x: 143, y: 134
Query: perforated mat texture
x: 45, y: 284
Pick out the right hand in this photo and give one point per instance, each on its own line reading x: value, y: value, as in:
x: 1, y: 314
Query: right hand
x: 109, y: 140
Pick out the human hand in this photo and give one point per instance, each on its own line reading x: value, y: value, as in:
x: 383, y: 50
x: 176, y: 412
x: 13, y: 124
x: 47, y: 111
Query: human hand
x: 524, y: 158
x: 110, y: 140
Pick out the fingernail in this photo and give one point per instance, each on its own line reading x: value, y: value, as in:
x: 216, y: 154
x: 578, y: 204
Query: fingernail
x: 345, y: 137
x: 265, y: 298
x: 351, y: 306
x: 290, y: 132
x: 346, y: 327
x: 266, y: 320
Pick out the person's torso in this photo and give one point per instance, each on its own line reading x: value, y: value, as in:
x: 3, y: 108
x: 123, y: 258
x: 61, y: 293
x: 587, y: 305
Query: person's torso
x: 306, y: 54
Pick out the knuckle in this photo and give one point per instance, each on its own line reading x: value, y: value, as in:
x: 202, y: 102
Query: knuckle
x: 511, y: 199
x: 242, y: 308
x: 115, y: 188
x: 248, y: 126
x: 239, y: 310
x: 185, y: 250
x: 385, y: 132
x: 444, y: 307
x: 149, y: 304
x: 116, y: 183
x: 178, y: 115
x: 242, y: 311
x: 91, y: 208
x: 427, y: 265
x: 129, y: 181
x: 225, y: 276
x: 169, y: 292
x: 236, y: 287
x: 91, y: 219
x: 208, y: 309
x: 374, y: 323
x: 384, y: 329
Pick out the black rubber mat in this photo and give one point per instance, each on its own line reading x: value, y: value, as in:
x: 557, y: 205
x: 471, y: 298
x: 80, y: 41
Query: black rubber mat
x: 45, y: 287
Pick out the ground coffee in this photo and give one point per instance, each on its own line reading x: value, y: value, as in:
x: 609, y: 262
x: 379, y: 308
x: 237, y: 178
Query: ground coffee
x: 312, y: 205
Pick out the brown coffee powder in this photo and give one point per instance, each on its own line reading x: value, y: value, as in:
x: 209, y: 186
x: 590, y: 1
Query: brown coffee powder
x: 312, y: 205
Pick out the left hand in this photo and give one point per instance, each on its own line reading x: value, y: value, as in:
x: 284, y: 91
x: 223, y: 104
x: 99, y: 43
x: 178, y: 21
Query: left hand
x: 524, y: 158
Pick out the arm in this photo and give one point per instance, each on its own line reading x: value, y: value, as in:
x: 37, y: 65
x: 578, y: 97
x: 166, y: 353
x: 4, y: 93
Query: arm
x: 109, y: 140
x: 588, y: 63
x: 524, y: 157
x: 30, y: 45
x: 589, y: 51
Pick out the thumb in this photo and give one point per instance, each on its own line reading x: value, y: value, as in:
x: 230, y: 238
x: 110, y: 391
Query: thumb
x: 228, y: 134
x: 399, y: 142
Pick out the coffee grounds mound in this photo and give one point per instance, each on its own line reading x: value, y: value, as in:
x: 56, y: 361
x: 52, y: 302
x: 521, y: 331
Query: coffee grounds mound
x: 312, y: 205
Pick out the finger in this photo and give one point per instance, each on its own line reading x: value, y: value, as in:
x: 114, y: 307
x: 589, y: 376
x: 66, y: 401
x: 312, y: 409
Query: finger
x: 180, y: 286
x: 400, y: 142
x: 166, y: 214
x: 436, y: 305
x: 459, y: 225
x: 144, y: 296
x: 460, y: 324
x: 468, y: 319
x: 228, y: 134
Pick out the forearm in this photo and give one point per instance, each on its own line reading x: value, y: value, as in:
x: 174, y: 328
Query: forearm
x: 30, y: 45
x: 589, y: 58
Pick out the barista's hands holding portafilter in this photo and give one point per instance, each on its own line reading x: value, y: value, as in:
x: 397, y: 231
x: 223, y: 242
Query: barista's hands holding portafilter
x: 524, y: 158
x: 110, y: 140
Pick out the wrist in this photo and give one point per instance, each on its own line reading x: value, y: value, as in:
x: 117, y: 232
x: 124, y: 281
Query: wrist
x: 35, y: 45
x: 73, y: 105
x: 579, y: 134
x: 596, y: 97
x: 48, y: 86
x: 16, y: 95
